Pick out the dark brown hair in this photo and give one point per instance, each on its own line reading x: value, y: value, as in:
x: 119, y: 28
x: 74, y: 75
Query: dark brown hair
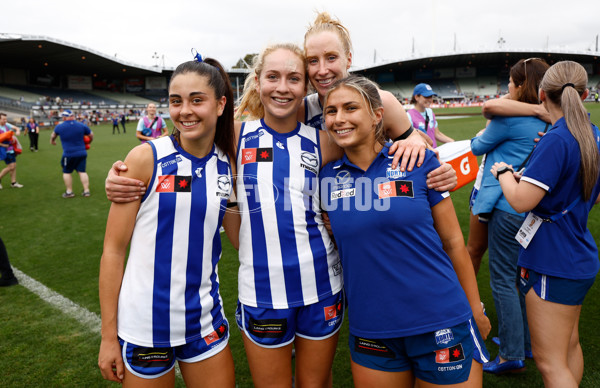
x: 528, y: 73
x: 219, y: 82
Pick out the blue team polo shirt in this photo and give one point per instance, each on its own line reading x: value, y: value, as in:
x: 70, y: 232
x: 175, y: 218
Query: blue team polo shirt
x: 564, y: 248
x: 71, y: 137
x: 398, y: 279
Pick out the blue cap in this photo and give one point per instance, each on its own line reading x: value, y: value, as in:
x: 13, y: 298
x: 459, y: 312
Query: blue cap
x: 66, y: 113
x: 423, y: 90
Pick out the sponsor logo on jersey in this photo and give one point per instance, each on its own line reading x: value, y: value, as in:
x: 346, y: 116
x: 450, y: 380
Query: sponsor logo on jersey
x: 343, y: 177
x: 199, y: 172
x: 396, y: 189
x: 395, y: 173
x: 280, y: 145
x: 254, y: 155
x: 442, y: 337
x: 223, y: 185
x: 174, y: 184
x: 372, y: 348
x: 152, y: 357
x: 452, y: 354
x: 337, y: 268
x: 255, y: 136
x: 310, y: 162
x: 337, y: 194
x: 177, y: 159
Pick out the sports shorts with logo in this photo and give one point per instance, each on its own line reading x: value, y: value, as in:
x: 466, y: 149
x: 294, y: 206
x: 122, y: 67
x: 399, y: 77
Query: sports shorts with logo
x: 439, y: 357
x: 571, y: 292
x: 273, y: 328
x: 151, y: 363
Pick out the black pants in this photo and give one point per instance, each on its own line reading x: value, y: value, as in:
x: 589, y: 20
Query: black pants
x: 117, y: 127
x: 5, y: 269
x: 33, y: 140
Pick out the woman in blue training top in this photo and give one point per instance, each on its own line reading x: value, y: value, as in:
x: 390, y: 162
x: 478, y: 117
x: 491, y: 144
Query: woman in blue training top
x: 559, y: 258
x: 400, y: 244
x: 509, y: 139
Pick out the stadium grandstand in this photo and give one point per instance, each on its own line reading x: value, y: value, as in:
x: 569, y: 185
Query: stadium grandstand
x: 40, y: 76
x: 466, y: 78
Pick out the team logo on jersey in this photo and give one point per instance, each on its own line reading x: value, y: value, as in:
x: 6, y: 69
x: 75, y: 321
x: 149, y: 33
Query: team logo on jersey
x: 396, y: 189
x: 395, y: 173
x: 452, y: 354
x: 442, y: 337
x: 343, y: 177
x: 310, y: 161
x: 199, y: 172
x: 280, y: 145
x: 174, y: 184
x: 337, y: 268
x: 224, y: 185
x: 255, y: 155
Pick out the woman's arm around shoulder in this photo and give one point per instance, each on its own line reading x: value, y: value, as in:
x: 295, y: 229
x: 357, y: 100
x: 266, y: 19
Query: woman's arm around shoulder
x: 505, y: 106
x: 448, y: 228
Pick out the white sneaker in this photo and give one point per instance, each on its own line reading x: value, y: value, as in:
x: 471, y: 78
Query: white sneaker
x: 0, y: 186
x: 16, y: 185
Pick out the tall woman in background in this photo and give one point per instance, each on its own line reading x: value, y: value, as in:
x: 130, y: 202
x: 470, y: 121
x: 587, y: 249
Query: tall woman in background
x: 559, y: 188
x: 512, y: 139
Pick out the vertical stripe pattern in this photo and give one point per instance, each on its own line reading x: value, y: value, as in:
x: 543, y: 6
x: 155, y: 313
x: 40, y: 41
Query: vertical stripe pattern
x: 286, y: 256
x: 170, y: 291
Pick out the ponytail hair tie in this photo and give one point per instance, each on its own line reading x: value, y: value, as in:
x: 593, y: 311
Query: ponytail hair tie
x: 197, y: 56
x: 566, y: 85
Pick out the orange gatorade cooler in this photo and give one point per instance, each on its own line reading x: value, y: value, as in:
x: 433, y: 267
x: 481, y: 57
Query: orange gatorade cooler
x: 458, y: 154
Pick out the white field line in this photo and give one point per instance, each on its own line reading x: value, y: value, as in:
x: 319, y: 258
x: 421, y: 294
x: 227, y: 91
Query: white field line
x: 81, y: 314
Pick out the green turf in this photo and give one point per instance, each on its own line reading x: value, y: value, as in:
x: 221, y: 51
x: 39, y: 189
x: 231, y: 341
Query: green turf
x: 58, y: 242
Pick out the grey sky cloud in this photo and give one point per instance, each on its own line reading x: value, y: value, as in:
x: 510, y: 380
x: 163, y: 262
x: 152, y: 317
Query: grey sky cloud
x: 381, y: 30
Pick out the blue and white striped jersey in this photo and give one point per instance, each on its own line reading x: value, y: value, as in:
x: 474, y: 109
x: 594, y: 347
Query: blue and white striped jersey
x: 286, y: 256
x: 170, y: 291
x: 313, y: 112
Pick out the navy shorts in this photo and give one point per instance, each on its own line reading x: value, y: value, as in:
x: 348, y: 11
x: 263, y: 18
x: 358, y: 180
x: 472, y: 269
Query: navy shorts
x: 151, y: 363
x: 274, y: 328
x: 73, y: 163
x: 439, y: 357
x: 11, y: 157
x: 571, y: 292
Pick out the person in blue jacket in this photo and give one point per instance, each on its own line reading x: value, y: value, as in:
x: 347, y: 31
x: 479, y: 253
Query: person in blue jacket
x: 558, y: 257
x: 509, y: 139
x: 403, y: 256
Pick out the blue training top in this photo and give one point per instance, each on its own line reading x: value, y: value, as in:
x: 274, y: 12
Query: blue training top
x: 398, y: 279
x: 564, y: 248
x: 71, y: 137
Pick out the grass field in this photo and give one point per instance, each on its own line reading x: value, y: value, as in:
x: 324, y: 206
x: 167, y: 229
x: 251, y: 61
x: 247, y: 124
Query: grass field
x: 58, y: 242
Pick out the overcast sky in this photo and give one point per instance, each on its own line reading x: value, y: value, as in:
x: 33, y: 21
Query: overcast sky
x: 381, y: 30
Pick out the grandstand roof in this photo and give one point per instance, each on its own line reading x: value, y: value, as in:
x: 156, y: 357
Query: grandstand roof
x: 43, y: 53
x: 480, y: 59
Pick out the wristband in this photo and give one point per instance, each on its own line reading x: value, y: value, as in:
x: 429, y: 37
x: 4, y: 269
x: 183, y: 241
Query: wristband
x: 502, y: 170
x: 405, y: 134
